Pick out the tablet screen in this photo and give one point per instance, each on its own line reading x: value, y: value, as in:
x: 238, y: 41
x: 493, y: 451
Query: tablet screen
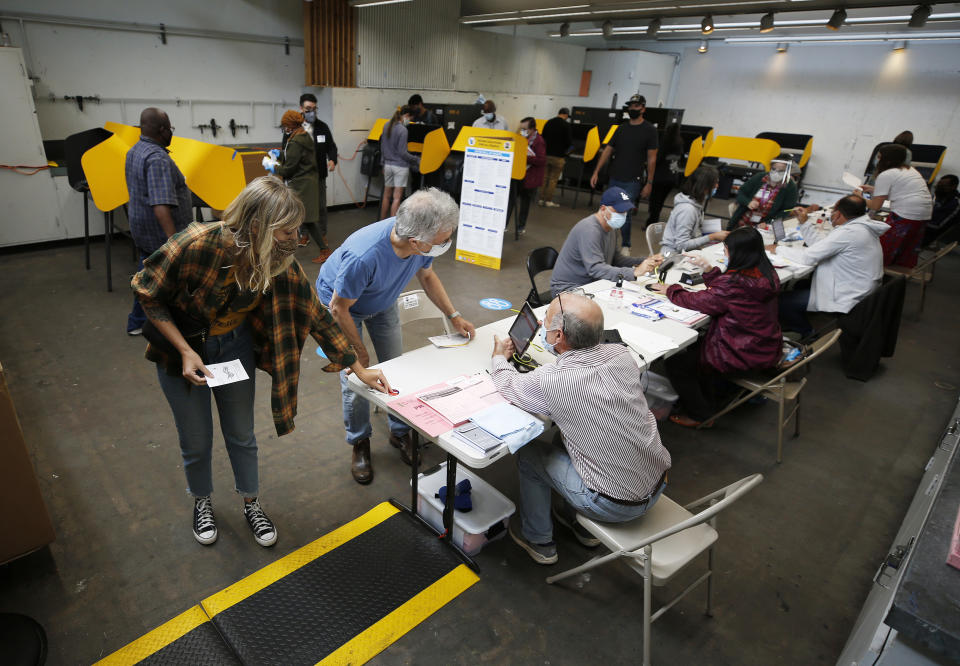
x: 523, y: 328
x: 778, y: 232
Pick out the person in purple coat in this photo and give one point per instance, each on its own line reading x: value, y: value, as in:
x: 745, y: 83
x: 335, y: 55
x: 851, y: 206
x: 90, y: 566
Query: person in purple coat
x: 744, y: 333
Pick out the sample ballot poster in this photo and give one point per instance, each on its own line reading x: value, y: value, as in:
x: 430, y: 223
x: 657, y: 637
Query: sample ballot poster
x: 484, y: 195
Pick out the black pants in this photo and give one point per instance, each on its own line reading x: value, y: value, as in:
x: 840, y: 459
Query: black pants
x: 697, y: 389
x: 658, y: 195
x: 524, y: 197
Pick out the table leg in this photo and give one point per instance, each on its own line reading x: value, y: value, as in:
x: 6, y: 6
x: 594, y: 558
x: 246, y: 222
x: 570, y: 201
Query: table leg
x: 451, y: 491
x: 414, y: 476
x: 107, y: 233
x: 86, y: 230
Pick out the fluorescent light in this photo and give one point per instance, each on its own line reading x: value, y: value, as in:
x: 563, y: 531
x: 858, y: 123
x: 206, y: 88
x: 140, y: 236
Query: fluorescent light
x: 782, y: 47
x: 852, y: 37
x: 551, y: 9
x: 638, y: 9
x: 766, y: 22
x: 706, y: 25
x: 374, y: 3
x: 703, y: 46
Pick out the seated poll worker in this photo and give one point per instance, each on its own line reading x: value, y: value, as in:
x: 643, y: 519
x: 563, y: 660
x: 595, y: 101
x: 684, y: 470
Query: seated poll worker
x: 684, y: 228
x: 744, y: 333
x: 766, y: 196
x: 946, y: 209
x: 360, y: 283
x: 590, y: 251
x: 608, y: 462
x: 848, y: 260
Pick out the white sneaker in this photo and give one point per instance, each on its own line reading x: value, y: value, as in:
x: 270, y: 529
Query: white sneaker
x: 204, y: 525
x: 550, y: 204
x: 261, y: 526
x: 625, y: 251
x: 540, y: 202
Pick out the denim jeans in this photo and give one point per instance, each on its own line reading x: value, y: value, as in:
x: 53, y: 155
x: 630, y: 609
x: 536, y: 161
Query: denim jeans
x: 384, y: 331
x: 137, y: 317
x: 544, y: 467
x: 793, y: 311
x: 632, y: 188
x: 191, y: 412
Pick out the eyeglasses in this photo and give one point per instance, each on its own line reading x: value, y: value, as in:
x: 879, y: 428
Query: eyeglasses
x: 576, y: 291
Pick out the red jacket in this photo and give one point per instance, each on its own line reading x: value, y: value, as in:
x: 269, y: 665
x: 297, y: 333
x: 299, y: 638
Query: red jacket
x: 745, y: 332
x: 536, y: 165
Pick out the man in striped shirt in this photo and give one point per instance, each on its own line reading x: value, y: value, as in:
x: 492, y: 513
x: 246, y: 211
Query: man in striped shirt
x: 611, y: 465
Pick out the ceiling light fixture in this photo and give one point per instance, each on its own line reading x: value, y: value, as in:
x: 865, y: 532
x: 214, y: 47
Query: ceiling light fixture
x: 607, y: 29
x: 782, y: 47
x: 654, y: 27
x: 919, y: 17
x: 374, y: 3
x: 766, y: 22
x: 706, y: 26
x: 703, y: 46
x: 900, y: 45
x: 850, y: 38
x: 839, y: 16
x: 564, y: 29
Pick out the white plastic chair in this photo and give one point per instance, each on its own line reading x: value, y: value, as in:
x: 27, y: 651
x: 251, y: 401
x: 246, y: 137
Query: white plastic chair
x: 662, y: 542
x: 655, y: 236
x: 414, y: 305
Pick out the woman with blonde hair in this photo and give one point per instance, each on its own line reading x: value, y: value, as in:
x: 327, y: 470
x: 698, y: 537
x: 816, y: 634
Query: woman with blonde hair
x: 227, y: 291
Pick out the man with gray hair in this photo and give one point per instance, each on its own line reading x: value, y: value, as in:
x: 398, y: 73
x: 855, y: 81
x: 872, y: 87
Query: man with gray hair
x: 608, y: 462
x: 360, y: 283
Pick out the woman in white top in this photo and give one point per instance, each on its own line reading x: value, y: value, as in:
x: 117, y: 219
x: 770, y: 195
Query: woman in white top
x: 910, y: 205
x: 684, y: 230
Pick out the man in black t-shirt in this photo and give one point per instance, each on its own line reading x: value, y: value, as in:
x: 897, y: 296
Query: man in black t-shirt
x: 559, y: 139
x: 634, y: 151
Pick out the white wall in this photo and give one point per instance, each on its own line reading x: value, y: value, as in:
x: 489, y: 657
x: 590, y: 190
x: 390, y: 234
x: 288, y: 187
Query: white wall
x: 849, y: 97
x: 626, y: 73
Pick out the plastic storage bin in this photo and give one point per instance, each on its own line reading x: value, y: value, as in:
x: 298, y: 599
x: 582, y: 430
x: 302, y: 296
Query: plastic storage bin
x: 474, y: 529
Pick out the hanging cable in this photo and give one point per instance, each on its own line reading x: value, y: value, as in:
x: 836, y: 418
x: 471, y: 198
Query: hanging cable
x: 22, y: 169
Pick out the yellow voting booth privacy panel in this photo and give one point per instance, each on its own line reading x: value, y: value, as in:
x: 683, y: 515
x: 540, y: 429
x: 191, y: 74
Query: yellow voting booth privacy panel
x: 694, y: 157
x: 377, y: 130
x: 519, y: 145
x: 592, y: 145
x: 435, y: 151
x: 213, y: 173
x: 744, y: 148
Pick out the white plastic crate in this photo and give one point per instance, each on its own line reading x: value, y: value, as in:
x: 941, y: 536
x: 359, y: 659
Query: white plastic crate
x: 474, y: 529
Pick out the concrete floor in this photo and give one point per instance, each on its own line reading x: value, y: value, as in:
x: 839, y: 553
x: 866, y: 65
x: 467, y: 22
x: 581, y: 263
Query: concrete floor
x: 795, y: 558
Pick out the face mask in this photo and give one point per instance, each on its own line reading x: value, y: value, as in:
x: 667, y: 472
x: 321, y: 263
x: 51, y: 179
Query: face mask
x: 775, y: 177
x: 616, y: 220
x: 524, y: 132
x: 283, y: 249
x: 713, y: 192
x: 490, y: 117
x: 634, y: 113
x: 436, y: 250
x: 546, y: 345
x: 310, y: 116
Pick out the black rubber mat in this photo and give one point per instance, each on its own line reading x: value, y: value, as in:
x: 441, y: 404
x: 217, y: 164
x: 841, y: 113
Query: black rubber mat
x: 304, y: 616
x: 202, y: 646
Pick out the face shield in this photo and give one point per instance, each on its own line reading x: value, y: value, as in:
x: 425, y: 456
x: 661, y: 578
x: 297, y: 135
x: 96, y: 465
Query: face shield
x: 779, y: 172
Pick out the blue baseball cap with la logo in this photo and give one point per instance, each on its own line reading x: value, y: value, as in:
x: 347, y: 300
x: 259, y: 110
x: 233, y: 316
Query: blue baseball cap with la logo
x: 617, y: 198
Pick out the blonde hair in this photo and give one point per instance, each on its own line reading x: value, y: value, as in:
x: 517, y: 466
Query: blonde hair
x: 265, y: 205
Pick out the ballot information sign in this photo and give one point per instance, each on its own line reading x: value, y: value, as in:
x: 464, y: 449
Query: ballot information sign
x: 484, y: 196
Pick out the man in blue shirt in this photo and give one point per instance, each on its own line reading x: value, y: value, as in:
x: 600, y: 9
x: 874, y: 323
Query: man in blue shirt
x: 160, y: 201
x: 360, y: 283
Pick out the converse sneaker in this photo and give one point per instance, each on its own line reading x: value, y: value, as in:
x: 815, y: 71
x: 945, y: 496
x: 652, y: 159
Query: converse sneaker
x: 261, y: 526
x: 204, y: 525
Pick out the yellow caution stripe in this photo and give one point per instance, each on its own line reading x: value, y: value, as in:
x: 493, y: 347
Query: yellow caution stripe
x: 375, y: 638
x: 159, y: 638
x: 271, y: 573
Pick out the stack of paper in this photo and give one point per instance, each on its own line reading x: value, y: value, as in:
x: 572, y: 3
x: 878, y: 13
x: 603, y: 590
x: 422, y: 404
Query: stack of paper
x: 646, y: 343
x: 509, y: 423
x: 460, y: 398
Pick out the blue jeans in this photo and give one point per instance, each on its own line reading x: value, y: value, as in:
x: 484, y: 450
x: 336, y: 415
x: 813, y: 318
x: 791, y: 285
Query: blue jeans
x: 191, y: 412
x: 632, y: 188
x: 384, y: 331
x: 137, y: 317
x: 793, y: 311
x: 544, y: 467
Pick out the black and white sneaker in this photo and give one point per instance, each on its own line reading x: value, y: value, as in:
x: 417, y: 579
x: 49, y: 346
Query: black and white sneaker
x: 204, y: 524
x: 261, y: 526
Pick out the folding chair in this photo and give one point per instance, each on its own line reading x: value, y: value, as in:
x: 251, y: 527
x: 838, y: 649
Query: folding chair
x: 655, y: 236
x: 923, y: 271
x: 783, y: 387
x: 662, y: 542
x: 414, y: 306
x: 540, y: 260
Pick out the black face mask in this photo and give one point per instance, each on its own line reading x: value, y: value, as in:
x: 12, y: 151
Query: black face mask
x: 634, y: 113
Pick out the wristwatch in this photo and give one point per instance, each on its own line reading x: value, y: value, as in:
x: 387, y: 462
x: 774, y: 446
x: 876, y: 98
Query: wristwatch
x: 454, y: 314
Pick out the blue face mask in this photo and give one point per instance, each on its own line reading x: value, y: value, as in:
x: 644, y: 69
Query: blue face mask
x: 546, y: 345
x: 713, y: 192
x: 617, y: 220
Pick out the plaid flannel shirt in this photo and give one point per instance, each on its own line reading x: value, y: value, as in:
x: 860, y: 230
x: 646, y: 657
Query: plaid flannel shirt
x: 188, y: 273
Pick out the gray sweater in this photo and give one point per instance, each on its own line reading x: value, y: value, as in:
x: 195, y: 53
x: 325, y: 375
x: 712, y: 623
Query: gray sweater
x: 684, y: 227
x: 394, y: 148
x: 588, y: 254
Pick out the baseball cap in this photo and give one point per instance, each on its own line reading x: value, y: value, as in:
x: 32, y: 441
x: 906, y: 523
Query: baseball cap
x: 616, y: 198
x: 563, y: 112
x: 637, y: 99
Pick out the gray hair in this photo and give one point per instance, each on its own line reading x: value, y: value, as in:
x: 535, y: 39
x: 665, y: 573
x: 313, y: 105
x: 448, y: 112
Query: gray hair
x: 580, y: 333
x: 426, y: 213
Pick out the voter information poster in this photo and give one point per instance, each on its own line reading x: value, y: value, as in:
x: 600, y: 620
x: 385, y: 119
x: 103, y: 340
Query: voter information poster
x: 484, y: 196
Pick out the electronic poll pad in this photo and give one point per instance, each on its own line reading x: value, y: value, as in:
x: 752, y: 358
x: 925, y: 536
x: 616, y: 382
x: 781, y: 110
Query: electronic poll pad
x: 522, y: 332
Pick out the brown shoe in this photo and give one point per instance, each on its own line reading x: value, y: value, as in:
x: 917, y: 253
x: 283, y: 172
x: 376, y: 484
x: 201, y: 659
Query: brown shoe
x: 362, y: 466
x: 405, y: 445
x: 687, y: 422
x: 323, y: 256
x: 303, y: 240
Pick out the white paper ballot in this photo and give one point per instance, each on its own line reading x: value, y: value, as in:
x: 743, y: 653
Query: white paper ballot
x: 710, y: 225
x: 851, y: 180
x: 452, y: 340
x: 226, y: 373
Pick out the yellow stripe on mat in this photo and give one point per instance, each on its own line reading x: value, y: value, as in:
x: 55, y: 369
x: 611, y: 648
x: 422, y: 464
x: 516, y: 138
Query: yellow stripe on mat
x: 271, y: 573
x: 160, y: 637
x: 368, y: 643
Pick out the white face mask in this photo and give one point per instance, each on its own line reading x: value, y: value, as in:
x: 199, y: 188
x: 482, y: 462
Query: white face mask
x: 436, y: 250
x: 546, y: 345
x: 616, y: 220
x: 490, y: 116
x: 776, y: 177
